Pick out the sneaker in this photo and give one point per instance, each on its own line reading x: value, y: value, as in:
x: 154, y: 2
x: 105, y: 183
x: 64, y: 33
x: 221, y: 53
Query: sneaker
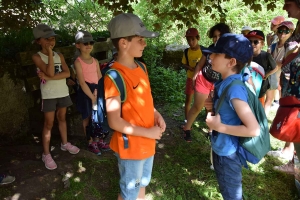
x: 286, y: 168
x: 69, y: 147
x: 187, y: 135
x: 49, y: 162
x: 103, y: 145
x: 6, y: 179
x: 277, y: 154
x: 93, y: 147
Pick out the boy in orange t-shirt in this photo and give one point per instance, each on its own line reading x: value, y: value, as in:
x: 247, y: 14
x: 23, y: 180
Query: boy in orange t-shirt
x: 136, y: 122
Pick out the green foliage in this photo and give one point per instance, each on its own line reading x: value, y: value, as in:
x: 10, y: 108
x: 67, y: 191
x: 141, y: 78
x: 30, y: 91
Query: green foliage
x: 167, y: 85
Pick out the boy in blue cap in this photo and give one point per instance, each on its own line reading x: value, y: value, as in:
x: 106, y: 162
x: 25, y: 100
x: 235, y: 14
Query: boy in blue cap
x: 235, y: 118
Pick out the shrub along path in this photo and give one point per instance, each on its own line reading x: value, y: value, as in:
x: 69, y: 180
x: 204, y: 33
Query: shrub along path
x: 181, y: 171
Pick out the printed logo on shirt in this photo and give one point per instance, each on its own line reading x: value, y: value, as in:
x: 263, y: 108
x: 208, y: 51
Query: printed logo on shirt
x: 57, y: 68
x: 134, y: 87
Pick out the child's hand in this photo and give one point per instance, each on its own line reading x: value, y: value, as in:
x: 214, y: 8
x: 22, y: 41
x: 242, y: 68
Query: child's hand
x: 213, y: 122
x: 49, y: 49
x: 159, y: 121
x: 94, y: 100
x: 155, y: 133
x: 42, y: 76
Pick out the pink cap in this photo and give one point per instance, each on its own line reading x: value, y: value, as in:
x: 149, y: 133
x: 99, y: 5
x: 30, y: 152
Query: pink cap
x: 191, y: 32
x: 287, y: 24
x: 277, y: 20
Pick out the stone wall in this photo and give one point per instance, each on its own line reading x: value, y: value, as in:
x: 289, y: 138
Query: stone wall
x: 20, y: 105
x: 172, y: 56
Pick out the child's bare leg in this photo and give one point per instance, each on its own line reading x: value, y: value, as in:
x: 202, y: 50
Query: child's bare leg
x: 142, y: 193
x: 46, y: 135
x: 288, y: 149
x: 62, y: 124
x: 187, y: 107
x: 198, y: 104
x: 269, y: 100
x: 85, y: 123
x: 120, y: 197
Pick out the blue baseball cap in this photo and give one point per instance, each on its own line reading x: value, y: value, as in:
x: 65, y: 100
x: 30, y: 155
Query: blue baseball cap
x: 234, y: 45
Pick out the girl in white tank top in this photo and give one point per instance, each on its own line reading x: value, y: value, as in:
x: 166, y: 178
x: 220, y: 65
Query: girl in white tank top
x: 53, y: 71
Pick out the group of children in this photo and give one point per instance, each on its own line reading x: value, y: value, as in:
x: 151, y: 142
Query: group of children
x: 136, y: 123
x: 234, y: 56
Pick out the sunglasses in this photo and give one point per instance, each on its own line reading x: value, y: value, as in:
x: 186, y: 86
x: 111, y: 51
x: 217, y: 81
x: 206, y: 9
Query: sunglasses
x: 255, y: 42
x: 283, y: 31
x: 88, y: 43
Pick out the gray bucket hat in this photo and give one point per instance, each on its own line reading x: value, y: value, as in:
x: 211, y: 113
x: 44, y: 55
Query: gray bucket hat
x: 83, y: 37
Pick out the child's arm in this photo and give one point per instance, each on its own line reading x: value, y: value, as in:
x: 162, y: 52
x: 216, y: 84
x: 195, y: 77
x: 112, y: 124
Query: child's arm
x: 249, y: 127
x: 116, y: 122
x: 85, y: 88
x: 273, y: 66
x: 47, y: 69
x: 65, y: 73
x: 98, y: 69
x: 159, y: 120
x: 198, y: 67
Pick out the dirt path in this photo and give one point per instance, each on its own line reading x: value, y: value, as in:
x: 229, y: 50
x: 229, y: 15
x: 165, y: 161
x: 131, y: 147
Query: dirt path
x: 33, y: 180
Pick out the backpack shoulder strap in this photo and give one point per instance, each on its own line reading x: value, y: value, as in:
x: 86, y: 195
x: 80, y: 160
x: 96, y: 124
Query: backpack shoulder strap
x: 186, y: 56
x: 141, y: 65
x: 118, y: 80
x: 222, y: 97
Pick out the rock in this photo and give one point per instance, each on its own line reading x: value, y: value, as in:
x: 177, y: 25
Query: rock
x: 172, y: 56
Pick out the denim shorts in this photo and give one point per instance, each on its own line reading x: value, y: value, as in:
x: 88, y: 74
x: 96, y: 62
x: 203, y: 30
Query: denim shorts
x: 134, y: 174
x: 229, y: 175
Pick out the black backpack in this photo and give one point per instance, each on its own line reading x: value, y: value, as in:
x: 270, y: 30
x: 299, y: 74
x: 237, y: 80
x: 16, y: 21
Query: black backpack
x: 101, y: 104
x: 207, y: 71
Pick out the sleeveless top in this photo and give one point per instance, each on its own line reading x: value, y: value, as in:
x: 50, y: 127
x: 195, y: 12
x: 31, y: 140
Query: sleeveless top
x: 52, y: 89
x: 89, y: 71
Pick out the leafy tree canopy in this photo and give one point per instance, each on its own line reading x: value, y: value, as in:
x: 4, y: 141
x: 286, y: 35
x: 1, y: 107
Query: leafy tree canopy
x: 25, y: 13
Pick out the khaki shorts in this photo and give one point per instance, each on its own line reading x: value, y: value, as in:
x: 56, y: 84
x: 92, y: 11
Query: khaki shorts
x: 50, y: 105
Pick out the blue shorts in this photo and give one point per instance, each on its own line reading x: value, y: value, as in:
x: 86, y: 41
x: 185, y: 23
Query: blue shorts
x: 229, y: 175
x: 134, y: 174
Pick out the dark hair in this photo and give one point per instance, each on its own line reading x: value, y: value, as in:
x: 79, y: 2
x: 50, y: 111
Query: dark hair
x: 115, y: 41
x: 239, y: 65
x: 296, y: 1
x: 222, y: 27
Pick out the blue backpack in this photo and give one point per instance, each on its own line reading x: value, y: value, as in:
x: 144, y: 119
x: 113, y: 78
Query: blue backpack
x: 117, y: 78
x: 257, y: 73
x: 251, y: 149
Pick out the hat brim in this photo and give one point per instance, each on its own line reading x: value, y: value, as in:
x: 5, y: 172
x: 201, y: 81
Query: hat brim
x: 255, y: 36
x: 291, y: 28
x: 49, y: 35
x: 148, y: 34
x: 211, y: 50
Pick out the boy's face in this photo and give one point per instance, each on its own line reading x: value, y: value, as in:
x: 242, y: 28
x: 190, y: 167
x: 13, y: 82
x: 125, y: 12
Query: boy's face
x: 47, y: 42
x: 257, y: 44
x: 136, y: 46
x: 192, y: 41
x: 219, y: 62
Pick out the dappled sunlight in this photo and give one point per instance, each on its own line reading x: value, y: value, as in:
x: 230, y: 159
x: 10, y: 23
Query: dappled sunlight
x: 80, y: 167
x: 16, y: 196
x: 77, y: 179
x: 197, y: 182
